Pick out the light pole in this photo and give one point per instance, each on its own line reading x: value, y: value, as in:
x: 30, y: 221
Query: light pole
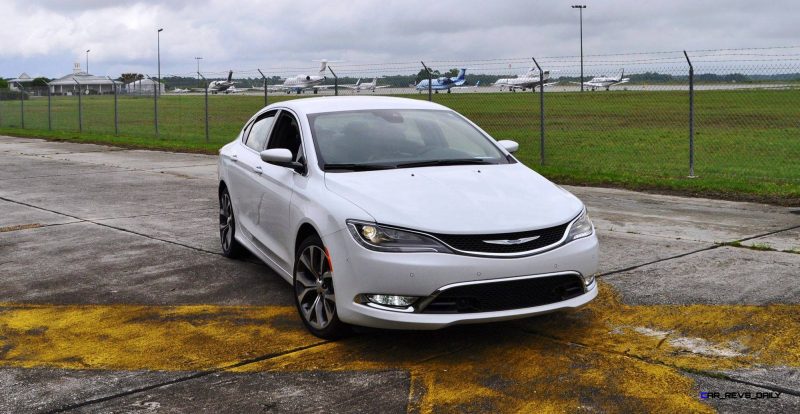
x: 198, y: 70
x: 580, y: 7
x: 157, y: 84
x: 158, y: 35
x: 87, y: 61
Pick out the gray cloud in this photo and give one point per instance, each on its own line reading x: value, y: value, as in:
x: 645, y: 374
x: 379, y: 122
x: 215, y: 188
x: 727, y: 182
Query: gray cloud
x: 48, y: 36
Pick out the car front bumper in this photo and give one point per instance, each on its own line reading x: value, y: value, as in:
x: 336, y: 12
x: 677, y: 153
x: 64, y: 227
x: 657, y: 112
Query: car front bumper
x: 359, y: 271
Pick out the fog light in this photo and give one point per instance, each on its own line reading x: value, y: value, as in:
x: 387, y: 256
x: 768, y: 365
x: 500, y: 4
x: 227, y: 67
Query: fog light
x: 392, y: 300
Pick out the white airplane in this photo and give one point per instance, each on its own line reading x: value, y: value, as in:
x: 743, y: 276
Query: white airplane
x: 301, y: 83
x: 527, y: 80
x: 603, y: 81
x: 366, y: 86
x: 179, y: 90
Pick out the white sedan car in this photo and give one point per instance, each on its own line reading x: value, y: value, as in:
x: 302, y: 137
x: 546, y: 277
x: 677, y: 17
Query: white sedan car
x: 400, y: 213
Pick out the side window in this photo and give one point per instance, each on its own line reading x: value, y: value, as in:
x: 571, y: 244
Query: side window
x: 257, y: 135
x: 286, y: 134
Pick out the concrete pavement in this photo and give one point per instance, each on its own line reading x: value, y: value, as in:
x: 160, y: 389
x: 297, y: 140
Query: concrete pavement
x: 115, y: 298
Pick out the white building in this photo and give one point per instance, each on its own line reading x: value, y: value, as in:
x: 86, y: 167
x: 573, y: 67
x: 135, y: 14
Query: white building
x: 144, y: 87
x: 81, y: 81
x: 23, y: 80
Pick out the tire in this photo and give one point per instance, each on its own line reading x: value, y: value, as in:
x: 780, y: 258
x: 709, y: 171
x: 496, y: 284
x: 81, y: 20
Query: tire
x: 314, y: 290
x: 227, y: 227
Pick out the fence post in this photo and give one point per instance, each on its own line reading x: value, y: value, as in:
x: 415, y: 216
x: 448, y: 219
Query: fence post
x: 691, y: 116
x: 335, y: 81
x: 22, y: 104
x: 206, y: 99
x: 541, y: 111
x: 49, y: 109
x: 265, y: 86
x: 116, y: 111
x: 156, y: 88
x: 430, y: 82
x: 80, y: 110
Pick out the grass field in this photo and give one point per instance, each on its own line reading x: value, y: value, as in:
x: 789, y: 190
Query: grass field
x: 747, y: 142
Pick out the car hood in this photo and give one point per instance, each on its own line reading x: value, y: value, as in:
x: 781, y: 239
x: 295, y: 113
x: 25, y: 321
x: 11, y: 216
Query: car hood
x: 464, y: 199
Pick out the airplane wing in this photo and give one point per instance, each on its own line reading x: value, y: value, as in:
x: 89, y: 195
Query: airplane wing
x: 475, y: 86
x: 381, y: 86
x: 321, y: 87
x: 348, y: 86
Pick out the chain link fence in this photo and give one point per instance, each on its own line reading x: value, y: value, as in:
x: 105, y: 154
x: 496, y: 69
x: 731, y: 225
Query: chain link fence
x: 732, y: 120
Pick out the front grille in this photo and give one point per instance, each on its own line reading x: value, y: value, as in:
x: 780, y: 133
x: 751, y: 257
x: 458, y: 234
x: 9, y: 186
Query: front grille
x: 476, y: 243
x: 499, y: 296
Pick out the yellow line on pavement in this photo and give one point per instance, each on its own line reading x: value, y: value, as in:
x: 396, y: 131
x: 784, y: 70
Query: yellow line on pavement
x: 177, y: 338
x: 607, y: 356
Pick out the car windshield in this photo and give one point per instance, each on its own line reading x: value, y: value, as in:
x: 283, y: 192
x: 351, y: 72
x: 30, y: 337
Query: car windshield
x: 402, y: 138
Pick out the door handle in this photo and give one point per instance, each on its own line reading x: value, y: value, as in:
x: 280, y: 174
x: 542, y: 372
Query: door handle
x: 234, y: 158
x: 258, y: 170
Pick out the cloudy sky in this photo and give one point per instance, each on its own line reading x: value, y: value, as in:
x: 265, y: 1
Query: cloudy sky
x: 46, y: 37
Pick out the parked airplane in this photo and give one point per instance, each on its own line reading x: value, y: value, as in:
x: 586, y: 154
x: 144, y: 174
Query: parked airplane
x: 222, y: 85
x: 179, y: 90
x: 527, y: 80
x: 603, y: 81
x: 443, y: 83
x: 366, y: 86
x: 301, y: 83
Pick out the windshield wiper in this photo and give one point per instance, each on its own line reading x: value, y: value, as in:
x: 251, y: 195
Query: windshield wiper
x: 457, y: 161
x: 358, y: 167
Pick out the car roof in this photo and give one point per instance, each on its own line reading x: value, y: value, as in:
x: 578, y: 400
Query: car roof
x: 354, y: 103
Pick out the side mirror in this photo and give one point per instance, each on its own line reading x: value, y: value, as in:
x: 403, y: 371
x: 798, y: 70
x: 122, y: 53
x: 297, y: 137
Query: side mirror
x: 276, y: 156
x: 508, y: 145
x: 282, y: 157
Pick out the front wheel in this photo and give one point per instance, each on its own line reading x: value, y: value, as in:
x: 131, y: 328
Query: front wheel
x: 314, y: 294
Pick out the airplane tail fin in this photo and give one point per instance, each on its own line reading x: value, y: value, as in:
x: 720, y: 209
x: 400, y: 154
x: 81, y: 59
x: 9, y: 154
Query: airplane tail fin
x: 230, y: 75
x: 622, y: 74
x: 461, y: 73
x: 323, y: 64
x: 358, y: 82
x: 478, y: 83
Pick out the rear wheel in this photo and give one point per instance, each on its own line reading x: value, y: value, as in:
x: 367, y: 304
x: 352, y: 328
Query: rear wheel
x: 314, y: 293
x: 227, y: 226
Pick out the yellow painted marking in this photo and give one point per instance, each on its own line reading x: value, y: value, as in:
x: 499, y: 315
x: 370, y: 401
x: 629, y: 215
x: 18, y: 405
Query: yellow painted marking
x: 144, y: 337
x: 607, y: 356
x: 19, y: 227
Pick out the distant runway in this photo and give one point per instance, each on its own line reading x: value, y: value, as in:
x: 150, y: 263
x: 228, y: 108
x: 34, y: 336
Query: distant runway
x: 554, y: 88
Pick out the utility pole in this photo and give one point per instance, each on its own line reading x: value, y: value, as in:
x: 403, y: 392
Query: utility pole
x: 87, y: 61
x: 580, y: 7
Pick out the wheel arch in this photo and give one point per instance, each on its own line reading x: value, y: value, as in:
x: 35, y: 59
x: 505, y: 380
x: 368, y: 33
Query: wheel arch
x: 306, y: 229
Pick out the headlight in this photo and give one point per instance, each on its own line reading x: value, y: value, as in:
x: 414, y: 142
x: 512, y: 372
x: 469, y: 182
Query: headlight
x: 386, y: 239
x: 581, y: 227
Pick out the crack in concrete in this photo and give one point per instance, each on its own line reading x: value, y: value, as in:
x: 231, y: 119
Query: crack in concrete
x: 184, y: 378
x: 678, y: 256
x: 113, y: 227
